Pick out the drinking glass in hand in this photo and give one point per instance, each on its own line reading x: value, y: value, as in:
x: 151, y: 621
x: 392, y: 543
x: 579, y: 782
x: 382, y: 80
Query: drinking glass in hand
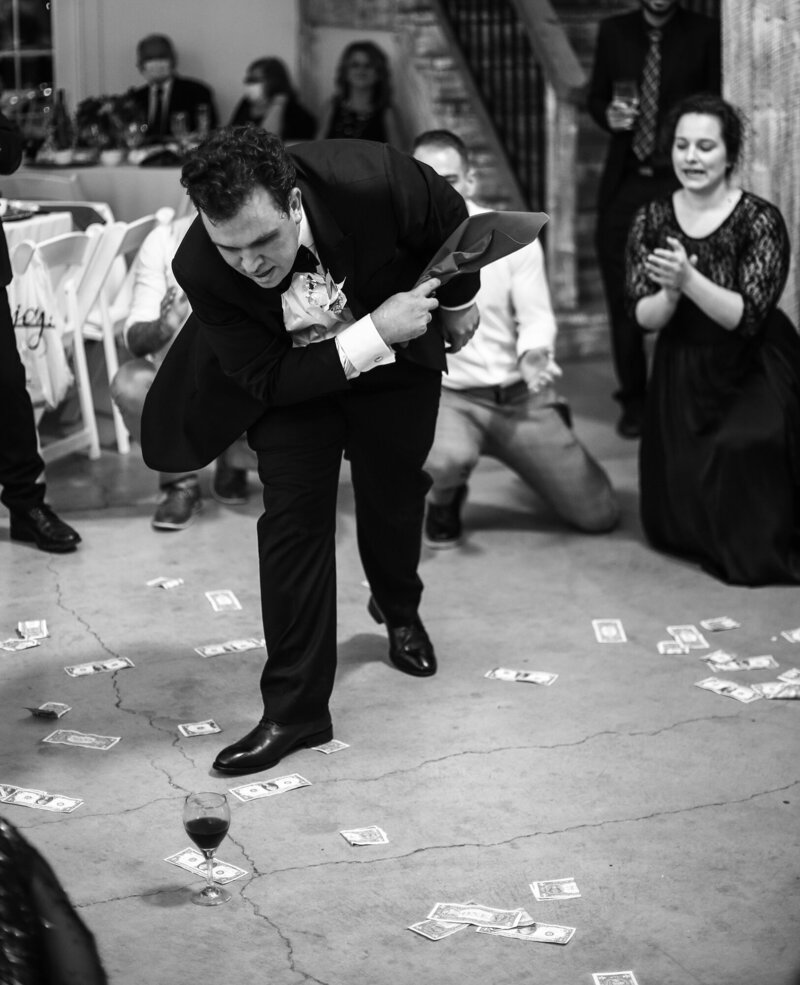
x: 624, y: 103
x: 206, y: 818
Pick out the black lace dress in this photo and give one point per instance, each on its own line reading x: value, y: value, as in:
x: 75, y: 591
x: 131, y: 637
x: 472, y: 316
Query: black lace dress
x: 719, y: 463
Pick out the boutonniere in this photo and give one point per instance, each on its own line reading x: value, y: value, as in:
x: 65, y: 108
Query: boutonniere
x: 326, y: 294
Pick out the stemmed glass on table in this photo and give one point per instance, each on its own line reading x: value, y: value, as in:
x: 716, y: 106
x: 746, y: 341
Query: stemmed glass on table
x: 206, y: 818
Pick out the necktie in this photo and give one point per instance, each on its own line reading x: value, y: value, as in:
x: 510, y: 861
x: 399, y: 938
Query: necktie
x: 157, y: 125
x: 644, y: 140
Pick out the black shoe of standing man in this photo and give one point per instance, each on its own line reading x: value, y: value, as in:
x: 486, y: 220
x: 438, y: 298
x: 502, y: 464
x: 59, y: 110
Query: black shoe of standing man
x: 269, y: 742
x: 629, y: 424
x: 410, y: 648
x: 41, y: 526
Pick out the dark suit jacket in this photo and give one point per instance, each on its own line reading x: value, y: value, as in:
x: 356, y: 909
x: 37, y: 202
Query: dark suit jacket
x: 298, y: 123
x: 690, y: 62
x: 11, y: 144
x: 377, y: 217
x: 185, y: 96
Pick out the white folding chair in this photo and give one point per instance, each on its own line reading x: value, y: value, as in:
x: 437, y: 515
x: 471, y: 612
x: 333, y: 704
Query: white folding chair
x: 68, y: 261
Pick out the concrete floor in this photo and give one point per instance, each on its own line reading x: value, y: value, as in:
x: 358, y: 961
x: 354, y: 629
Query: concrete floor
x: 674, y: 809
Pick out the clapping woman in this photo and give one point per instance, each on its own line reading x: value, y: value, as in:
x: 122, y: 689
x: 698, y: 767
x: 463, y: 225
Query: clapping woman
x: 720, y: 451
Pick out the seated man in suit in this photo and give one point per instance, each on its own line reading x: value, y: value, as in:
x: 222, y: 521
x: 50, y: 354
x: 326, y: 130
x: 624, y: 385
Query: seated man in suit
x: 498, y: 397
x: 166, y: 94
x: 300, y: 270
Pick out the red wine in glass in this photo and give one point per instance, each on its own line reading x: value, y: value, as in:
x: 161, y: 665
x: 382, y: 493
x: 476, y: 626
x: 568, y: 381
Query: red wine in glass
x: 207, y: 832
x: 206, y: 818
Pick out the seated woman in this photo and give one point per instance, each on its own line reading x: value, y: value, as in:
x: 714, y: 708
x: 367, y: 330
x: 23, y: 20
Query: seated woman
x: 720, y: 453
x: 271, y: 103
x: 362, y: 103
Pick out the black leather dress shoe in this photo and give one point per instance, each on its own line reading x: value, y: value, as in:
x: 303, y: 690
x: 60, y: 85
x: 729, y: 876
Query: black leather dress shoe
x: 41, y: 526
x: 269, y: 742
x: 629, y: 424
x: 410, y: 648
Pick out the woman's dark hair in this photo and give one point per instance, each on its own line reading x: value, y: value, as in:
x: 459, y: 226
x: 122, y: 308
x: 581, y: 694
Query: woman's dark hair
x: 731, y: 121
x: 273, y: 73
x: 382, y: 90
x: 230, y: 164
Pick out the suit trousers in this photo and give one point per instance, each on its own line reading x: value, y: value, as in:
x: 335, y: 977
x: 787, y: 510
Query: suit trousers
x: 21, y: 466
x: 384, y: 425
x: 613, y: 223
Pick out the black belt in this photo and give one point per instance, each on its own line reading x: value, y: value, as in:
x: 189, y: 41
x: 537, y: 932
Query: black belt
x: 497, y: 394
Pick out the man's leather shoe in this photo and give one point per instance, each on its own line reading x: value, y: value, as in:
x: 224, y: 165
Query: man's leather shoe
x: 630, y: 422
x: 442, y: 527
x: 269, y: 742
x: 41, y: 526
x: 410, y: 649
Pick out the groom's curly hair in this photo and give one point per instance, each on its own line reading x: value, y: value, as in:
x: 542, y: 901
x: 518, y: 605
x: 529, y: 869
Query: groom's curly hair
x: 230, y: 164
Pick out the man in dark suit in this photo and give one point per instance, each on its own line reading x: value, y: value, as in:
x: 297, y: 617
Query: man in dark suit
x: 166, y: 93
x: 21, y: 466
x: 297, y: 347
x: 664, y: 53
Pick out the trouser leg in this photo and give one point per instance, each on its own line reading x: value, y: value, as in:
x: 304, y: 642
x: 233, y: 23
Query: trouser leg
x: 456, y: 447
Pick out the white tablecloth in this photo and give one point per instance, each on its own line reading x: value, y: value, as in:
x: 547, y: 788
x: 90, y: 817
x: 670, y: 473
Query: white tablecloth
x: 37, y: 228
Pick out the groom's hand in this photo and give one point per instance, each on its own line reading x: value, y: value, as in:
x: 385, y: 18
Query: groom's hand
x: 406, y: 315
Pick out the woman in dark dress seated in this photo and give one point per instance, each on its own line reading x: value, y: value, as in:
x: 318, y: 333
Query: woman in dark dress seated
x: 719, y: 462
x: 271, y: 103
x: 362, y: 103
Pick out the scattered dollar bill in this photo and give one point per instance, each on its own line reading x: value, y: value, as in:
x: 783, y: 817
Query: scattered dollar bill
x: 555, y: 889
x: 720, y: 657
x: 790, y: 676
x: 792, y: 635
x: 671, y: 646
x: 741, y: 692
x: 99, y: 667
x: 372, y: 835
x: 614, y: 978
x: 539, y: 933
x: 33, y: 629
x: 14, y: 644
x: 208, y: 727
x: 223, y: 600
x: 163, y: 582
x: 269, y: 788
x: 719, y: 623
x: 479, y: 916
x: 232, y: 646
x: 69, y: 737
x: 39, y: 800
x: 521, y: 676
x: 689, y: 636
x: 194, y: 861
x: 777, y: 689
x: 334, y: 745
x: 435, y: 930
x: 764, y: 662
x: 609, y: 631
x: 50, y: 709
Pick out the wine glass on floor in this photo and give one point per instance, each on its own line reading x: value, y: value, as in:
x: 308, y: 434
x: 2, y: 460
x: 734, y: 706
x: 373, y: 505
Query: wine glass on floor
x: 206, y: 818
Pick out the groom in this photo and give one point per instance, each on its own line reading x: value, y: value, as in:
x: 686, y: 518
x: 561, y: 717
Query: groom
x: 308, y: 331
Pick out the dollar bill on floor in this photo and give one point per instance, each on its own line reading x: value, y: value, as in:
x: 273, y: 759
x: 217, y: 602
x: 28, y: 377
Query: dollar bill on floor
x: 372, y: 835
x: 50, y: 709
x: 718, y: 623
x: 538, y: 933
x: 14, y: 645
x: 720, y: 657
x: 555, y: 889
x: 614, y: 978
x: 223, y: 600
x: 521, y: 676
x: 194, y: 861
x: 207, y: 727
x: 109, y: 666
x: 689, y: 636
x: 777, y: 689
x: 665, y: 647
x: 790, y: 676
x: 477, y: 915
x: 729, y: 689
x: 163, y: 582
x: 84, y: 740
x: 39, y: 800
x: 33, y: 629
x: 436, y: 930
x: 609, y: 631
x: 269, y: 788
x: 763, y: 662
x: 231, y: 646
x: 791, y: 635
x: 333, y: 745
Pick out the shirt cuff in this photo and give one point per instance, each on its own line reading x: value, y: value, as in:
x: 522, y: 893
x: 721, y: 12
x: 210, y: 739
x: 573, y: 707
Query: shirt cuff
x: 361, y: 348
x: 458, y: 307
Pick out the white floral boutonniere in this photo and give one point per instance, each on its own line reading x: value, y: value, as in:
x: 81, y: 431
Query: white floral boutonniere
x: 326, y: 294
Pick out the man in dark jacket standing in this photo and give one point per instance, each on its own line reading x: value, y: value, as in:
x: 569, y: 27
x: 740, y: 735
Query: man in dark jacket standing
x: 21, y: 466
x: 659, y: 54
